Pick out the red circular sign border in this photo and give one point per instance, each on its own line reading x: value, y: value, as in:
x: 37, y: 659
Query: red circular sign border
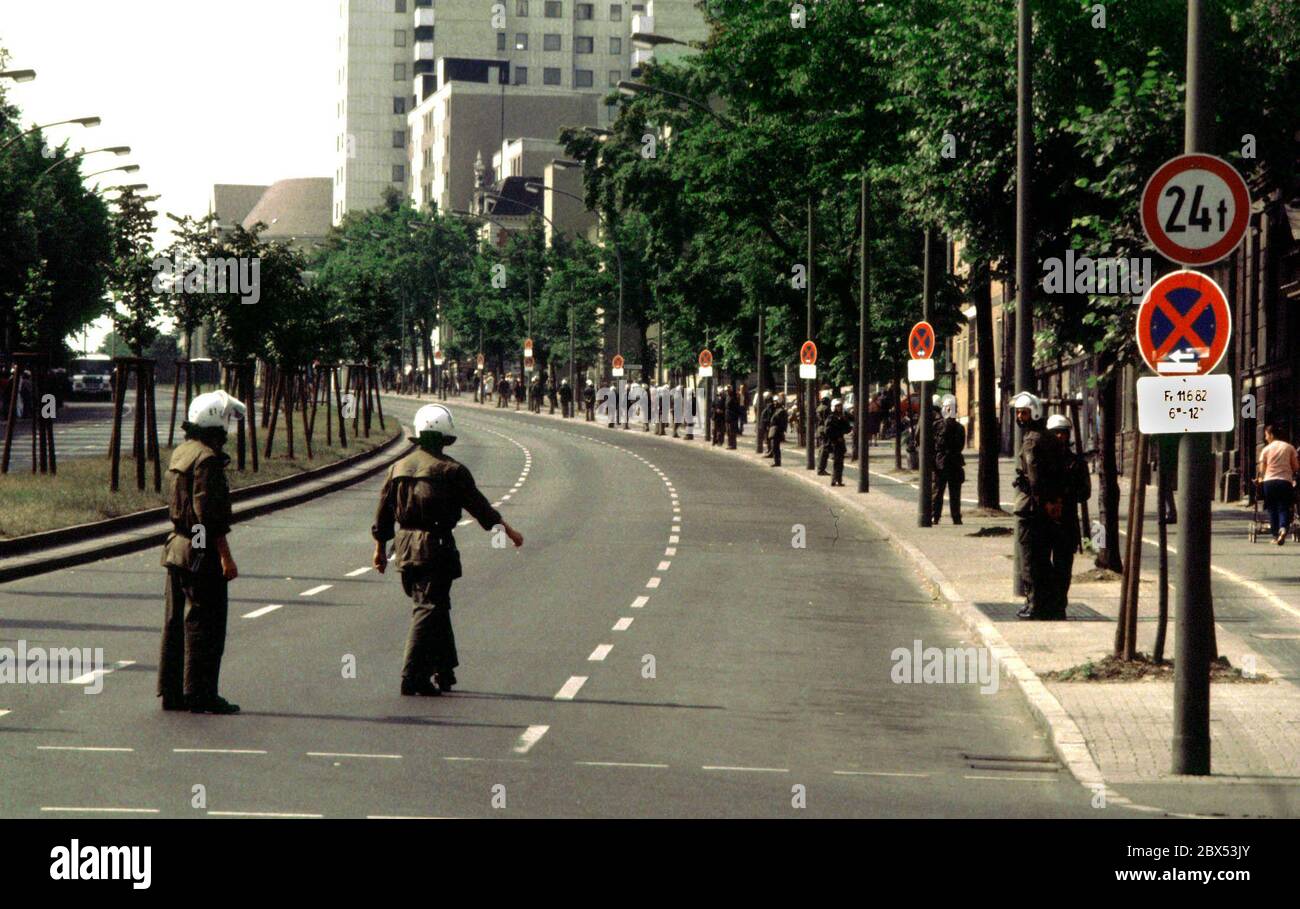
x: 1150, y: 200
x: 911, y: 336
x: 1146, y: 309
x: 803, y: 353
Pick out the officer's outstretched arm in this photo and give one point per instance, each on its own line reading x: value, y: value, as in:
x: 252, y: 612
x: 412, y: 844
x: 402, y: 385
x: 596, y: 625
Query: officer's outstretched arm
x: 515, y: 536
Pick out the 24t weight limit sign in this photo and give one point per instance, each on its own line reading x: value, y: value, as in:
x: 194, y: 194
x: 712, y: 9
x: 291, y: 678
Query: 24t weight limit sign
x: 1195, y: 209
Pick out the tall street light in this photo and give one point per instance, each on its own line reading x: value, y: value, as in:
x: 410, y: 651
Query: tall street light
x: 118, y: 150
x: 125, y: 168
x: 87, y: 122
x: 18, y: 75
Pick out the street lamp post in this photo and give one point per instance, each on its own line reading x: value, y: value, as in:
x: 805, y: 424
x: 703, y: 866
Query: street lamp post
x: 18, y: 75
x: 87, y: 122
x: 118, y: 150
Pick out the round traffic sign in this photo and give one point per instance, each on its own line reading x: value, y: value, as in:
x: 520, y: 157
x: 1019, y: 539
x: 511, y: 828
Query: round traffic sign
x: 808, y: 353
x: 1184, y: 324
x: 920, y: 343
x: 437, y: 358
x: 618, y: 361
x: 706, y: 358
x: 1195, y: 209
x: 480, y: 359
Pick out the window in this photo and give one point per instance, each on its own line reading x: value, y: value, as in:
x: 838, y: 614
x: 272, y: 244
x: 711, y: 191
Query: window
x: 399, y: 105
x: 551, y: 75
x: 399, y: 37
x: 616, y: 12
x: 501, y: 41
x: 554, y: 9
x: 399, y: 6
x: 521, y: 75
x: 584, y: 45
x: 521, y: 41
x: 582, y: 78
x: 550, y: 42
x: 521, y: 8
x: 399, y: 173
x: 584, y: 11
x: 399, y: 138
x: 615, y: 76
x: 399, y: 72
x: 616, y: 46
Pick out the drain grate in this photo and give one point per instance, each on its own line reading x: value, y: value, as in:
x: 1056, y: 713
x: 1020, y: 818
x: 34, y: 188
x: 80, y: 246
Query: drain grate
x: 1011, y: 763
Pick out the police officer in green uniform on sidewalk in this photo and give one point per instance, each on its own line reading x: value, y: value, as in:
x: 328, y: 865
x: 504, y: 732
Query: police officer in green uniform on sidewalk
x: 835, y: 429
x: 1038, y: 503
x: 423, y: 496
x: 198, y: 561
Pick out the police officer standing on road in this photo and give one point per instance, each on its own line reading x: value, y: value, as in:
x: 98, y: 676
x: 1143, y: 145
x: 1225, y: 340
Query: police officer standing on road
x: 776, y: 431
x: 734, y: 411
x: 949, y: 461
x: 823, y: 413
x: 1076, y: 488
x: 1038, y: 503
x: 764, y: 420
x: 836, y: 428
x: 419, y: 508
x: 198, y: 561
x: 566, y: 399
x: 589, y: 401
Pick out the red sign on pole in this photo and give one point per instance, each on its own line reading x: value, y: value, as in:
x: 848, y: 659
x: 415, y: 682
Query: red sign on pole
x: 481, y: 360
x: 1184, y: 324
x: 618, y: 361
x: 808, y: 353
x: 706, y: 358
x: 920, y: 343
x: 1195, y: 209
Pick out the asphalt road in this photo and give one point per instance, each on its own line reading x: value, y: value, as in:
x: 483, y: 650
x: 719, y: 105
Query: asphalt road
x: 658, y: 647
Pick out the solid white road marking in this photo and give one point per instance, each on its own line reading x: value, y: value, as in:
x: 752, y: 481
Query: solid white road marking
x: 600, y: 653
x: 570, y: 688
x: 102, y: 810
x: 664, y: 566
x: 89, y: 677
x: 356, y: 571
x: 263, y: 611
x: 261, y: 814
x: 653, y: 582
x: 349, y: 754
x: 751, y: 769
x: 639, y: 602
x: 621, y: 625
x: 619, y: 764
x: 79, y: 748
x: 531, y: 736
x: 312, y: 593
x: 217, y: 751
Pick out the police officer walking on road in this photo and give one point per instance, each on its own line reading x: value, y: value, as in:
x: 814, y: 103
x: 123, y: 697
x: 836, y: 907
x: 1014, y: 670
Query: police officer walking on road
x: 776, y: 431
x: 949, y: 461
x: 823, y: 412
x: 419, y: 508
x: 1038, y: 504
x: 836, y: 428
x: 198, y: 561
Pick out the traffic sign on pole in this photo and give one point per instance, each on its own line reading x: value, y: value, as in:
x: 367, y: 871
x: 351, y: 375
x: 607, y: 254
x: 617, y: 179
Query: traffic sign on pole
x: 1195, y: 209
x: 438, y: 358
x: 617, y: 363
x: 1184, y: 324
x: 528, y: 347
x: 920, y: 343
x: 808, y: 360
x: 481, y: 360
x: 706, y: 364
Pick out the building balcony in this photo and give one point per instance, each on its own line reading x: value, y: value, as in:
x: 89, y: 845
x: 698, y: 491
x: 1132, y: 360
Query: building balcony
x: 423, y: 51
x: 640, y: 57
x: 424, y: 17
x: 643, y: 24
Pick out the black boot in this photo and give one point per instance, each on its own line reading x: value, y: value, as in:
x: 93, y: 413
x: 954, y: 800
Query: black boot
x: 215, y: 704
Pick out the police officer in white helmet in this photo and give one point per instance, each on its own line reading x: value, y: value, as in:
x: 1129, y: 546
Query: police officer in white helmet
x: 419, y: 508
x: 1039, y: 492
x: 198, y: 560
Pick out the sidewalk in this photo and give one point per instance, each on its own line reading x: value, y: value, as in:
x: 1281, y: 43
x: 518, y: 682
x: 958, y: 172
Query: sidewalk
x: 1104, y: 732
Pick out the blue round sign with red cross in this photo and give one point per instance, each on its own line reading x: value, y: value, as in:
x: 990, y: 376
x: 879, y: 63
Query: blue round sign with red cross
x: 920, y: 343
x: 1183, y: 325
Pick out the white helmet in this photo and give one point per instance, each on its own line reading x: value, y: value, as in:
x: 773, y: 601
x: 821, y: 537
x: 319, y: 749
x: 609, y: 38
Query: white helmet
x: 435, y: 418
x: 836, y: 403
x: 215, y: 409
x: 935, y: 400
x: 766, y: 395
x: 1030, y: 401
x: 1058, y: 421
x: 949, y: 407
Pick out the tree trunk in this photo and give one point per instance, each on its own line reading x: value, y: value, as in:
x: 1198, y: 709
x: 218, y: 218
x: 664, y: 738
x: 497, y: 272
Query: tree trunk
x: 1108, y: 474
x: 987, y: 486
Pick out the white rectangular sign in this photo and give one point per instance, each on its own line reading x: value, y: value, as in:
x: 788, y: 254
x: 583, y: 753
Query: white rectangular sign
x: 807, y: 370
x: 616, y: 371
x: 706, y: 372
x: 1178, y: 404
x: 920, y: 370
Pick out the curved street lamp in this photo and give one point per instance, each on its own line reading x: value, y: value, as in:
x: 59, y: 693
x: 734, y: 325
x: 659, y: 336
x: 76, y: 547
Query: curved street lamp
x: 18, y: 75
x: 125, y: 168
x: 118, y: 150
x: 87, y: 122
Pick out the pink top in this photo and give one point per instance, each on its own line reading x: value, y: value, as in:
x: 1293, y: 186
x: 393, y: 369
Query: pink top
x: 1278, y: 461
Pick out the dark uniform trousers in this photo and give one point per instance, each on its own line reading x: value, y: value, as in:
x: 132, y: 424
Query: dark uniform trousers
x: 1063, y: 541
x: 1033, y: 536
x: 194, y: 632
x: 838, y: 450
x: 431, y: 644
x: 948, y: 480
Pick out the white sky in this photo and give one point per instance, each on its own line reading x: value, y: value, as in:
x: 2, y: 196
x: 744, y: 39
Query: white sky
x: 204, y: 91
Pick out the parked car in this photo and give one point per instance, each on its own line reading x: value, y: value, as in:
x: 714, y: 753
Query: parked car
x: 91, y: 376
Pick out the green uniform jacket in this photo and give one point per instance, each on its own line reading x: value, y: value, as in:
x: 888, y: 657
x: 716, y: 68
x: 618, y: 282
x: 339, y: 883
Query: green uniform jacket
x: 200, y: 497
x: 1039, y: 461
x: 420, y: 506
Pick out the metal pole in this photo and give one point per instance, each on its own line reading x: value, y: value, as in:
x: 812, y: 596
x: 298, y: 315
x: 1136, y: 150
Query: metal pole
x: 573, y: 388
x: 923, y: 504
x: 810, y: 417
x: 864, y: 314
x: 1024, y: 357
x: 758, y: 392
x: 1194, y: 605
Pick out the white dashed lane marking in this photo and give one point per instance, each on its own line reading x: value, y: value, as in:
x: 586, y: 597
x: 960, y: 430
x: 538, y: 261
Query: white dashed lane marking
x: 356, y: 571
x: 652, y: 583
x: 315, y: 590
x: 256, y: 613
x: 288, y: 814
x: 749, y: 769
x: 80, y: 748
x: 620, y: 764
x: 664, y: 566
x: 878, y: 773
x: 570, y: 688
x: 217, y: 751
x: 84, y: 810
x: 622, y: 624
x: 639, y: 602
x: 349, y: 754
x: 89, y: 677
x: 531, y: 736
x: 600, y: 653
